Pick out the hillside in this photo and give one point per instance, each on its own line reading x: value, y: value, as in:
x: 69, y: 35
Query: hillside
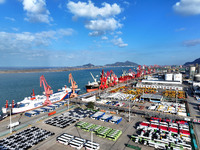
x: 197, y: 61
x: 127, y: 63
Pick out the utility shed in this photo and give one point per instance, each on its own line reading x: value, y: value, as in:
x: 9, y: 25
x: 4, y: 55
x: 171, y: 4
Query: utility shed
x: 30, y: 113
x: 116, y: 119
x: 39, y: 110
x: 97, y: 115
x: 107, y: 117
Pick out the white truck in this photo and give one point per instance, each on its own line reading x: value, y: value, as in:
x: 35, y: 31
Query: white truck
x: 14, y: 124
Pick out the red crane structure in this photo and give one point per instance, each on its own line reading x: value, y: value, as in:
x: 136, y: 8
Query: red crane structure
x: 33, y: 95
x: 74, y: 86
x: 13, y: 103
x: 47, y: 90
x: 6, y: 104
x: 139, y: 72
x: 132, y: 74
x: 103, y: 81
x: 113, y: 78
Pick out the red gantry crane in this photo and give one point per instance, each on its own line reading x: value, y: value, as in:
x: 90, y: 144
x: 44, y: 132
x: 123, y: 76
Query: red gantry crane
x: 74, y: 86
x: 103, y: 80
x: 47, y: 90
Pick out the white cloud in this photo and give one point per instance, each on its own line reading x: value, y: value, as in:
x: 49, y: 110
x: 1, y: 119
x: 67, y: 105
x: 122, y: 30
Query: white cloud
x: 100, y: 20
x: 83, y: 9
x: 2, y: 1
x: 109, y: 24
x: 126, y: 3
x: 118, y: 32
x: 27, y: 40
x: 191, y: 42
x: 15, y: 29
x: 119, y: 42
x: 187, y: 7
x: 96, y: 33
x: 104, y: 37
x: 36, y: 11
x: 180, y: 29
x: 9, y: 18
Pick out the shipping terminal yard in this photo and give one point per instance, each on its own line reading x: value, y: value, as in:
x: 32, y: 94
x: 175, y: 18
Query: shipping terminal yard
x: 153, y: 108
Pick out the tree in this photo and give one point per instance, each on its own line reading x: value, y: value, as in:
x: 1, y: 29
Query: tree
x: 90, y: 105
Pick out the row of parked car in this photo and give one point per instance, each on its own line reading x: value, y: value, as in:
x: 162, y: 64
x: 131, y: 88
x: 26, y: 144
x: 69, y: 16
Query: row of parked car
x: 25, y: 139
x: 79, y: 113
x: 61, y: 121
x: 77, y: 142
x: 69, y: 117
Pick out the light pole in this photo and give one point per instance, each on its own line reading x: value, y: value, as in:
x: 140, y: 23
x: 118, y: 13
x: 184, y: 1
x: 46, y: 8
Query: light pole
x: 91, y: 130
x: 129, y: 113
x: 68, y: 104
x: 10, y: 122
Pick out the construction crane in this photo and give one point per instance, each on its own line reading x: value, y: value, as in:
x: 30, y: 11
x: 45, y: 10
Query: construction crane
x: 47, y: 90
x: 74, y: 86
x: 103, y: 80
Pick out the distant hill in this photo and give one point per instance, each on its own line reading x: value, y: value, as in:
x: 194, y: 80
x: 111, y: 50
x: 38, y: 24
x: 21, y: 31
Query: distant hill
x: 88, y: 65
x: 126, y: 63
x: 197, y: 61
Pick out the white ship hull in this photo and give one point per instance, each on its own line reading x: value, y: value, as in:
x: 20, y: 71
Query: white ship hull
x: 29, y: 104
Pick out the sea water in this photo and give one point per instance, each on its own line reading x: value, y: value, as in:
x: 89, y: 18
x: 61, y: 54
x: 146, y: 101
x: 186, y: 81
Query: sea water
x: 17, y: 86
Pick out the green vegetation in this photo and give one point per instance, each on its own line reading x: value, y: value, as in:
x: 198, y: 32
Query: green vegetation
x: 90, y: 105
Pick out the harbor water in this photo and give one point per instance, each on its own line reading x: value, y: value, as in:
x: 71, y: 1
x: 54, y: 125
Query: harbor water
x: 16, y: 86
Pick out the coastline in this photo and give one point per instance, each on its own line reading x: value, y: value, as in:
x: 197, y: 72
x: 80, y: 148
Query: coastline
x: 45, y: 70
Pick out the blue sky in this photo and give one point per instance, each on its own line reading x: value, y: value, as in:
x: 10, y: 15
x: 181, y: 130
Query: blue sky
x: 76, y: 32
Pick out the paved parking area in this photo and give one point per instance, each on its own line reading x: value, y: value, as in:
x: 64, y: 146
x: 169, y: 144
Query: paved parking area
x: 128, y: 128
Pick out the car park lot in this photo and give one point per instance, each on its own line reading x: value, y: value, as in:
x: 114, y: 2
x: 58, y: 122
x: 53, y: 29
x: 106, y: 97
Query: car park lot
x: 105, y: 144
x: 25, y: 139
x: 127, y: 128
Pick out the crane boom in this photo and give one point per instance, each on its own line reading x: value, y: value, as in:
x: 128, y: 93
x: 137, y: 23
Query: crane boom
x: 95, y: 80
x: 47, y: 90
x: 74, y: 86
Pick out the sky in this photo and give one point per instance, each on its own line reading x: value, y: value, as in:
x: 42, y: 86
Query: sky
x: 59, y: 33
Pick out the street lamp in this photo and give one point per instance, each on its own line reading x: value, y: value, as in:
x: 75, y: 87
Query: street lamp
x: 91, y: 130
x: 10, y: 122
x: 129, y: 113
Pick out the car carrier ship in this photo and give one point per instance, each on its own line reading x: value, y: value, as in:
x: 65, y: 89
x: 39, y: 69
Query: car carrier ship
x: 36, y: 101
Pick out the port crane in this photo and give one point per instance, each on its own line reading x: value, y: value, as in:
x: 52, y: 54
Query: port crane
x: 139, y: 72
x: 95, y: 80
x: 47, y: 90
x: 33, y: 95
x: 13, y: 103
x: 113, y: 79
x: 74, y: 86
x: 103, y: 80
x: 6, y: 104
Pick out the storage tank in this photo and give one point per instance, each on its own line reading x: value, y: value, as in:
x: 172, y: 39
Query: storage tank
x: 168, y: 77
x: 197, y: 77
x: 192, y: 71
x: 178, y: 77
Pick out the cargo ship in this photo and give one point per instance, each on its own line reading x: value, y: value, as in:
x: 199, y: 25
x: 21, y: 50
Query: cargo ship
x: 33, y: 102
x: 36, y: 101
x: 93, y: 86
